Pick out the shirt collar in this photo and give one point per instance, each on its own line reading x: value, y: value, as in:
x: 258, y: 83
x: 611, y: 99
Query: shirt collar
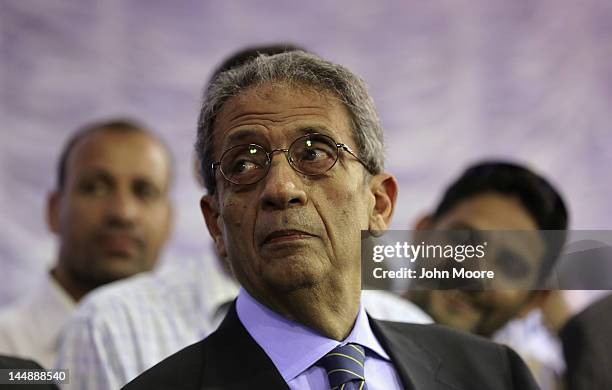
x: 51, y: 308
x: 293, y: 347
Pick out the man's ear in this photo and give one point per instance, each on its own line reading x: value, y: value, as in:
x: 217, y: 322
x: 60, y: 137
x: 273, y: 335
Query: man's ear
x: 53, y: 211
x: 384, y: 188
x: 210, y: 210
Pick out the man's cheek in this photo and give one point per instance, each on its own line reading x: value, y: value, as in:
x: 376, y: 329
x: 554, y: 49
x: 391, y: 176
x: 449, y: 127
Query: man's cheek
x: 235, y: 214
x: 238, y: 222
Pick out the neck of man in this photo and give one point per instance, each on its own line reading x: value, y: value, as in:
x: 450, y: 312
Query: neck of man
x: 330, y: 310
x: 74, y: 288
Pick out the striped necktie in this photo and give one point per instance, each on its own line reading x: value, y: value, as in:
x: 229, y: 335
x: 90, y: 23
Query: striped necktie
x: 344, y: 366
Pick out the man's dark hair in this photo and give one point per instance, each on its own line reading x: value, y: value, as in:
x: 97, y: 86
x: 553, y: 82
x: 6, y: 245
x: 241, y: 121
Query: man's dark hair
x: 115, y: 125
x: 535, y: 193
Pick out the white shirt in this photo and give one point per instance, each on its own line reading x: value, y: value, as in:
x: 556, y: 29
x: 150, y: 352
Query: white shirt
x: 539, y: 348
x: 31, y: 328
x: 124, y: 329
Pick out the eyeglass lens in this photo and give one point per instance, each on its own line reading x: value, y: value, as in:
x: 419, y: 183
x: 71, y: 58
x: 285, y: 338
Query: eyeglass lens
x: 312, y: 154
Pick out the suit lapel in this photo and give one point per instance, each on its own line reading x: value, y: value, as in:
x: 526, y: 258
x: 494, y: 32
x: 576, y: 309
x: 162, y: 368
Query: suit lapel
x: 418, y: 368
x: 233, y: 360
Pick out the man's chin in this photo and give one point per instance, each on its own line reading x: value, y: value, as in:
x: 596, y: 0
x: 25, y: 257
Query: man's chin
x: 112, y: 269
x: 289, y: 280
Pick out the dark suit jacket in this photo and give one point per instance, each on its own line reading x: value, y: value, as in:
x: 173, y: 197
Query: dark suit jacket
x: 426, y: 357
x: 587, y: 346
x: 14, y: 363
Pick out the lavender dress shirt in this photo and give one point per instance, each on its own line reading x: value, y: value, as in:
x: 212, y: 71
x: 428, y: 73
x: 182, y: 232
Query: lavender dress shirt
x: 294, y: 348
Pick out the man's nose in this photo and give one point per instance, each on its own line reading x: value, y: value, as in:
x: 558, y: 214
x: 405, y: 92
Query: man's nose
x: 283, y: 186
x: 123, y: 207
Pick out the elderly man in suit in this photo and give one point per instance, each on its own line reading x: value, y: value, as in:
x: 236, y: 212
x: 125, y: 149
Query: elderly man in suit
x: 292, y: 158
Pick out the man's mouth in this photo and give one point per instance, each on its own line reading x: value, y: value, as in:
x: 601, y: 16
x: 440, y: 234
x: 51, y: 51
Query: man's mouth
x: 286, y: 235
x: 120, y: 244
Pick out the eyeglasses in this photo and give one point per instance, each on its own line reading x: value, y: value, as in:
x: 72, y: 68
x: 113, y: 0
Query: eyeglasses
x: 312, y: 154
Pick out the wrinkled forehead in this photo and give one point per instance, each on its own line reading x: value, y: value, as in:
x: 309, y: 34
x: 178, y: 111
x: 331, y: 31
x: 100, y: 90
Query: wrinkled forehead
x: 276, y: 107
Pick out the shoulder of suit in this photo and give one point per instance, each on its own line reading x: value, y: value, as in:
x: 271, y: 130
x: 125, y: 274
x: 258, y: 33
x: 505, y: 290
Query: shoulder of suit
x: 439, y: 339
x: 434, y: 331
x: 183, y: 367
x: 459, y: 353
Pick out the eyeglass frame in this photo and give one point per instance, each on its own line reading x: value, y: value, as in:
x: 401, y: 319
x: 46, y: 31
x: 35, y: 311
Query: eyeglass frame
x: 269, y: 155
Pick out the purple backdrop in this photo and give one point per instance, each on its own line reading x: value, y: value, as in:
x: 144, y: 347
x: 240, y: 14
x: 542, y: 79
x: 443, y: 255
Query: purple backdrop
x: 455, y: 81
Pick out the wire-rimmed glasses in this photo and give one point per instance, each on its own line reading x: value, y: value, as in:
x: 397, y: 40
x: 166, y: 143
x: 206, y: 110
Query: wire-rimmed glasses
x: 311, y: 154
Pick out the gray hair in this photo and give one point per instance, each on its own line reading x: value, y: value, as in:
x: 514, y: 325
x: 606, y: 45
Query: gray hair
x: 303, y: 69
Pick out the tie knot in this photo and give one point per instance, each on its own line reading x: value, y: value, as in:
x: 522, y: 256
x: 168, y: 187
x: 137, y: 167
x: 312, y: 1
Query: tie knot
x: 344, y: 364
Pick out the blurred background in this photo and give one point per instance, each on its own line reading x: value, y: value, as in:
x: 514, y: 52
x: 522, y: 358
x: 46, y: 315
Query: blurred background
x: 454, y: 81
